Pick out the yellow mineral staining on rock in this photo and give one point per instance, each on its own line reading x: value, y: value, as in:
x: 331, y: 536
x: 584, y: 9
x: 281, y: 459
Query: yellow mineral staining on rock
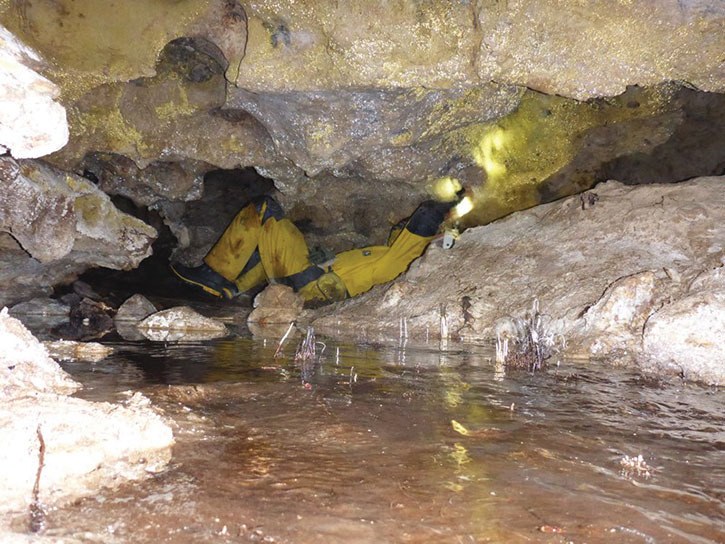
x: 90, y: 42
x: 521, y: 150
x: 314, y: 44
x: 105, y: 122
x: 89, y: 208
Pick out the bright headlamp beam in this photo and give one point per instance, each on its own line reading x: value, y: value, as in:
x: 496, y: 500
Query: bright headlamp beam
x: 463, y: 207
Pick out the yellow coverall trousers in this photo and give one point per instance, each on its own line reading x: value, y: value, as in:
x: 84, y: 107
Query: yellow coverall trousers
x: 260, y: 246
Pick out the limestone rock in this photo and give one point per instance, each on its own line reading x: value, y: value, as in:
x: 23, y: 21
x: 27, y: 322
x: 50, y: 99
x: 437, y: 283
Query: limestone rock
x: 134, y: 309
x: 581, y: 50
x: 588, y: 49
x: 87, y: 52
x: 44, y: 306
x: 68, y: 350
x: 277, y: 304
x: 87, y: 445
x: 328, y: 130
x: 65, y: 224
x: 615, y: 321
x: 598, y: 273
x: 32, y: 122
x: 687, y: 336
x: 26, y: 368
x: 181, y: 323
x: 150, y: 186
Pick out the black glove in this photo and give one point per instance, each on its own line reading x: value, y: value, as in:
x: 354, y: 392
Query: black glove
x: 427, y: 219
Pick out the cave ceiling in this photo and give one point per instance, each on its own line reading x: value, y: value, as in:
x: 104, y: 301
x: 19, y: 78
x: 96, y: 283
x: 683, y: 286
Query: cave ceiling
x: 347, y: 105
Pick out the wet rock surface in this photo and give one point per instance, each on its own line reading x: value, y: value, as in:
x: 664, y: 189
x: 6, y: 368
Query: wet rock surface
x: 136, y: 308
x: 63, y: 224
x: 277, y: 304
x: 686, y: 335
x: 603, y: 275
x: 181, y: 323
x: 353, y: 123
x: 58, y: 448
x: 68, y: 350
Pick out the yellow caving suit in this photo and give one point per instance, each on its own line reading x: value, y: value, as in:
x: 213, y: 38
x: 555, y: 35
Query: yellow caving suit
x: 261, y: 244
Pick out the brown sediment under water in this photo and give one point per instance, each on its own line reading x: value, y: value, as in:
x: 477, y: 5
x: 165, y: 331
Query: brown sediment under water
x: 377, y: 444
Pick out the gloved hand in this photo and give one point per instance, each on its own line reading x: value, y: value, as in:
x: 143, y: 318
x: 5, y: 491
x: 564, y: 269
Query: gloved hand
x: 427, y: 219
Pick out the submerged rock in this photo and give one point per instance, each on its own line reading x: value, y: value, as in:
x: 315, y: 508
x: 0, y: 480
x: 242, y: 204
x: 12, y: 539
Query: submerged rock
x: 88, y: 319
x: 66, y: 350
x: 611, y: 278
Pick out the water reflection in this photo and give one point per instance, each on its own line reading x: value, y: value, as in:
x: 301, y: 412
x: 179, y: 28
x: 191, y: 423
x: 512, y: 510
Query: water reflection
x: 407, y: 444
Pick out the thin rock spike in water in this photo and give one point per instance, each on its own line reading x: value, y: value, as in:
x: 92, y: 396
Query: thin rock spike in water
x: 37, y: 512
x: 278, y: 351
x: 306, y: 349
x: 502, y: 349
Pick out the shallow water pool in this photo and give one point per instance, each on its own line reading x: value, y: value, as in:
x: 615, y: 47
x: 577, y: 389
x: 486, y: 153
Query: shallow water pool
x: 371, y: 444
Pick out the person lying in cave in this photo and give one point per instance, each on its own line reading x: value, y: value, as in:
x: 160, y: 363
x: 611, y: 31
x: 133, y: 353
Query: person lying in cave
x: 262, y: 245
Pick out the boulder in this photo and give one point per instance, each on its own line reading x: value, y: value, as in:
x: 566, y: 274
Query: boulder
x: 135, y: 309
x: 687, y: 334
x: 26, y: 366
x: 277, y: 305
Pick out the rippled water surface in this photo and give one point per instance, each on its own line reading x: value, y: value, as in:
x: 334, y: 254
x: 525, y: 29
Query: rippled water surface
x: 368, y: 444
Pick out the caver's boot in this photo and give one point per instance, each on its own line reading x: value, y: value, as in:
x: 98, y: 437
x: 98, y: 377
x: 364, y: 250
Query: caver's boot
x: 205, y: 278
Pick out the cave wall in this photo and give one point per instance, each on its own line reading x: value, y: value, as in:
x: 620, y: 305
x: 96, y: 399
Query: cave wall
x: 355, y: 109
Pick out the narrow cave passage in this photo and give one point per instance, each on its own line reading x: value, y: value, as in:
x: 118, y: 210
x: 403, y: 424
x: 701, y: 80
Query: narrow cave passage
x: 511, y: 330
x: 198, y: 223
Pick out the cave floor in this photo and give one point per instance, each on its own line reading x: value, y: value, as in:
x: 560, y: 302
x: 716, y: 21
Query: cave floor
x: 371, y: 443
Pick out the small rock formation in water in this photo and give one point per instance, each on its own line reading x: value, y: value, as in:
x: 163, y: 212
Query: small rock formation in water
x: 277, y: 304
x: 134, y: 309
x: 68, y: 350
x: 84, y: 445
x: 88, y: 320
x: 181, y: 323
